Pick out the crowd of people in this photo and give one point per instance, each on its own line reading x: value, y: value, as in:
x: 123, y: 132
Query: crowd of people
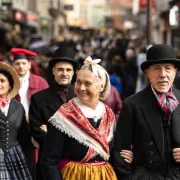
x: 92, y: 110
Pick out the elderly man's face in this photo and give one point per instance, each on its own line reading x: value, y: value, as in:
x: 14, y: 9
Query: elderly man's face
x: 161, y: 76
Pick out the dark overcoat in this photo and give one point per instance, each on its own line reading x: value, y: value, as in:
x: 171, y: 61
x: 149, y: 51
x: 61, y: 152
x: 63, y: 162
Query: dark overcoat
x: 43, y: 105
x: 140, y: 125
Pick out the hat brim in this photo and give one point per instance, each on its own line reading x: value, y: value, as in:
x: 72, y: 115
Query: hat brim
x: 145, y: 65
x: 16, y: 86
x: 53, y: 61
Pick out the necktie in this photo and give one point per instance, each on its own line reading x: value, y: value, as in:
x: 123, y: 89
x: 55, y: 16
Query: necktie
x: 63, y: 95
x: 168, y: 103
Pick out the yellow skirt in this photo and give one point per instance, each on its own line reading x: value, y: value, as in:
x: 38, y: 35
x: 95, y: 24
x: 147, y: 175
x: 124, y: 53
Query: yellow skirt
x: 88, y: 171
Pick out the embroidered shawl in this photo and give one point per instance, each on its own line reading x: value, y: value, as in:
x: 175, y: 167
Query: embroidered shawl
x: 70, y: 120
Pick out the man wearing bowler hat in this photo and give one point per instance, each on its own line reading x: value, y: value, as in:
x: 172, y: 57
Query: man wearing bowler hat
x: 46, y: 102
x: 150, y: 122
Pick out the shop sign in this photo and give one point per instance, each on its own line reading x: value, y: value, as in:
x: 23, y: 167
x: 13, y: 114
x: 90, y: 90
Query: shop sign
x: 31, y: 17
x: 143, y: 4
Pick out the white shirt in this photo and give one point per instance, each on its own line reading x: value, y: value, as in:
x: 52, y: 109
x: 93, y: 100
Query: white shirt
x: 23, y: 92
x: 5, y: 109
x: 91, y: 113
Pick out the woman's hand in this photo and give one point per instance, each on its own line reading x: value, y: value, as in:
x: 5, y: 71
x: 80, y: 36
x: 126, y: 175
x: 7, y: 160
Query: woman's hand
x: 127, y: 155
x: 43, y: 127
x: 176, y: 154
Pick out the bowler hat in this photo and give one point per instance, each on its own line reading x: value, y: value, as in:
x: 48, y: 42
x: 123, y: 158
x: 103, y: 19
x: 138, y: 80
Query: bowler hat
x: 160, y: 53
x: 64, y: 54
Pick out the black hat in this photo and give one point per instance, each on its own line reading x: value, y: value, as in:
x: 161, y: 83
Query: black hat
x: 64, y: 54
x: 160, y: 53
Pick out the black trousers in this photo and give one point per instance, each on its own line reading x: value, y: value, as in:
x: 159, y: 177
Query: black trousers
x: 170, y: 173
x: 30, y: 155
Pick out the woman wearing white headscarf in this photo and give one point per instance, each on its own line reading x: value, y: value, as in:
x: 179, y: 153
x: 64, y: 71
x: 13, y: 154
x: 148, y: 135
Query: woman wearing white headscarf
x: 80, y: 133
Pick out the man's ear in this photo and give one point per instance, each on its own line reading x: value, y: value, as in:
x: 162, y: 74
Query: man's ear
x: 146, y: 71
x: 176, y: 69
x: 30, y: 65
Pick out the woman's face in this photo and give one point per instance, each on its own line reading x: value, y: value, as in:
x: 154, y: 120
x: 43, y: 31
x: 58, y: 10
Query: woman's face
x: 88, y: 88
x: 4, y: 86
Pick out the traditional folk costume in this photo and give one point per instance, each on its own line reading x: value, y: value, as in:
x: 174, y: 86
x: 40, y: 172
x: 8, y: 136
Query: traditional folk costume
x: 30, y: 84
x: 152, y: 120
x: 82, y: 140
x: 13, y: 133
x: 13, y: 129
x: 79, y: 139
x: 46, y: 102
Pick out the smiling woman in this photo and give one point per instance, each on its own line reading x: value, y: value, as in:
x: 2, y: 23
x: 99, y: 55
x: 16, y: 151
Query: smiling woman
x: 88, y: 88
x: 84, y: 130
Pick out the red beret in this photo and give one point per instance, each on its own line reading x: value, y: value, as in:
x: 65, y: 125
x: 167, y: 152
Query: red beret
x: 20, y: 53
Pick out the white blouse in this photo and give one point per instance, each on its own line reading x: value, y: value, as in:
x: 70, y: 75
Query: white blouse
x: 89, y: 112
x: 5, y: 109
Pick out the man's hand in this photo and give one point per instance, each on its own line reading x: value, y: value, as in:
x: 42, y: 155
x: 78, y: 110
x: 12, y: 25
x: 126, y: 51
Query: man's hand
x: 176, y: 154
x: 43, y: 127
x: 127, y: 155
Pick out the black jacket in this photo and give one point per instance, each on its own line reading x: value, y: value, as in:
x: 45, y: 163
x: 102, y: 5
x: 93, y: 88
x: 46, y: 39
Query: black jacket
x: 140, y: 125
x: 14, y: 127
x: 43, y: 105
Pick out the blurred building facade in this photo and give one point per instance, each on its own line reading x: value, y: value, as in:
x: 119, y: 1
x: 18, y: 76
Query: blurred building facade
x: 52, y: 19
x: 20, y: 18
x: 29, y: 17
x: 174, y: 21
x: 121, y: 13
x: 165, y: 23
x: 85, y: 13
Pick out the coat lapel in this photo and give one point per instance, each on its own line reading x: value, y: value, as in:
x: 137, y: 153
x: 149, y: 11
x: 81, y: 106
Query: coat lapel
x: 53, y: 100
x: 71, y: 93
x: 153, y: 117
x: 12, y: 108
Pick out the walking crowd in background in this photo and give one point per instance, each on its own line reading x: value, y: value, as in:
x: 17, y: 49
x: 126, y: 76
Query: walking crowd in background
x: 97, y: 108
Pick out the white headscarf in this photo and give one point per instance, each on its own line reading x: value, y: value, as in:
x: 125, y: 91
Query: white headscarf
x: 100, y: 73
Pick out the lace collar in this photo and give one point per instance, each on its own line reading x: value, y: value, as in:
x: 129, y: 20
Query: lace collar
x: 89, y: 112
